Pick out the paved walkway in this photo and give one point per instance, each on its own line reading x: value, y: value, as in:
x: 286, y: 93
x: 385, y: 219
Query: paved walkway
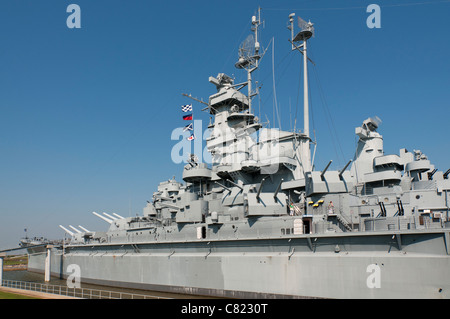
x: 36, y: 294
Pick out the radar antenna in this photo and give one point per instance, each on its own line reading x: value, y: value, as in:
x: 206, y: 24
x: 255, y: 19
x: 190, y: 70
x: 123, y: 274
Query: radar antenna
x: 249, y: 55
x: 306, y: 30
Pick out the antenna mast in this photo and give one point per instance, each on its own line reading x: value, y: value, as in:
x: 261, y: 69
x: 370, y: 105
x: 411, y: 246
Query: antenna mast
x: 306, y: 32
x: 249, y: 56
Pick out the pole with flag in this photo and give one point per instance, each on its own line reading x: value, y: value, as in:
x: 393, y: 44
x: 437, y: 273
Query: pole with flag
x: 188, y: 117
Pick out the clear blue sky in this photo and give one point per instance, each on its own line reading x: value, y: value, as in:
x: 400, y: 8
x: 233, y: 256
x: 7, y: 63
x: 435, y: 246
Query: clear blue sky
x: 86, y: 115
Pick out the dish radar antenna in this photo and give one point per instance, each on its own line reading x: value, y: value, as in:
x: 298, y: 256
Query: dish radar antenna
x: 299, y: 43
x: 249, y: 55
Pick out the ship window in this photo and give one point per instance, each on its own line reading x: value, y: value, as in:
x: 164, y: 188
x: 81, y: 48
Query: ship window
x: 282, y: 231
x: 288, y: 231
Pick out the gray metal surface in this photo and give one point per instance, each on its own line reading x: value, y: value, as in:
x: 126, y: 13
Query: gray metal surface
x: 259, y: 222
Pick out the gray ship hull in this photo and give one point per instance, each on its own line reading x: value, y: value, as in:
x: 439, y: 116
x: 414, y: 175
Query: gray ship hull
x: 261, y: 221
x: 391, y: 264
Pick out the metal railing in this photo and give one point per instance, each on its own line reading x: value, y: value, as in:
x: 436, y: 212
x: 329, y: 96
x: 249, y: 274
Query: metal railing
x: 83, y: 293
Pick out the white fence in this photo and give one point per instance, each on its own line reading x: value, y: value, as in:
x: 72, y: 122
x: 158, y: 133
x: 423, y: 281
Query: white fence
x: 84, y: 293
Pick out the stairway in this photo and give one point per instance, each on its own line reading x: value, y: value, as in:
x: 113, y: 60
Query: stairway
x: 344, y: 222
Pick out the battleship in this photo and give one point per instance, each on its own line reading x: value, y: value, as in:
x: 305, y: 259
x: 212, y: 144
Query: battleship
x: 261, y: 222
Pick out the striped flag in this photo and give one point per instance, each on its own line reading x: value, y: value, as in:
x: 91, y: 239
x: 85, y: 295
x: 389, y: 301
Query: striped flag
x: 186, y: 108
x: 187, y: 117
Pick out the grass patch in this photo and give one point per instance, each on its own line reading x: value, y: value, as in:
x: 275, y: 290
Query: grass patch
x: 7, y: 295
x: 15, y: 260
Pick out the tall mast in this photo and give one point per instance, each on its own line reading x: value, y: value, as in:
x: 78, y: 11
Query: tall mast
x: 299, y: 43
x: 305, y: 92
x: 249, y: 56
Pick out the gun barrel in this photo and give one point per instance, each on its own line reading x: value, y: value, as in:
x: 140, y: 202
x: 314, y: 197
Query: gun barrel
x: 104, y: 218
x: 323, y: 172
x: 66, y: 230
